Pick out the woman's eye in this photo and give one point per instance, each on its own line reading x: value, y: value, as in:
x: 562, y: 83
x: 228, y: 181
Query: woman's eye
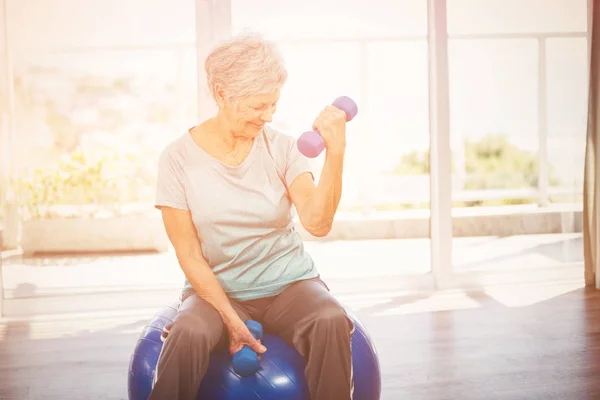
x: 262, y: 108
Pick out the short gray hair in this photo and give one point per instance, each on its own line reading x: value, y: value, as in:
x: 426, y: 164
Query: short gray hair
x: 245, y: 64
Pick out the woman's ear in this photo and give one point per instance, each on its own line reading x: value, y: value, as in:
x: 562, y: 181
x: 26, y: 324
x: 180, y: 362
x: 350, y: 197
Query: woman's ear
x: 219, y: 96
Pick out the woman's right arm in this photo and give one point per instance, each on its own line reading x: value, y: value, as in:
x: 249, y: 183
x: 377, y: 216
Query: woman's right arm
x: 183, y: 236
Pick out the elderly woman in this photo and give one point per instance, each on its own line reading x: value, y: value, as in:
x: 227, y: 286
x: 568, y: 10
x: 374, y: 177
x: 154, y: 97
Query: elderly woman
x: 226, y: 189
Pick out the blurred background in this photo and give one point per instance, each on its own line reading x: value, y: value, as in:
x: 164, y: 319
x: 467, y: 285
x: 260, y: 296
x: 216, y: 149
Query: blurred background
x: 93, y: 90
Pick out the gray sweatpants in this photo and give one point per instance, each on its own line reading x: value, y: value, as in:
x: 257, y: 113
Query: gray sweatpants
x: 305, y: 315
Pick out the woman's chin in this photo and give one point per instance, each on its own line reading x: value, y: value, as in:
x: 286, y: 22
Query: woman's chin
x: 253, y: 130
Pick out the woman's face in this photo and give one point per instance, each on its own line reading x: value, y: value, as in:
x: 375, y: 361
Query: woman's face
x: 247, y: 116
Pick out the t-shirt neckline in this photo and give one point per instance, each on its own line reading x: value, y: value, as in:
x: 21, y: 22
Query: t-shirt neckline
x: 220, y: 163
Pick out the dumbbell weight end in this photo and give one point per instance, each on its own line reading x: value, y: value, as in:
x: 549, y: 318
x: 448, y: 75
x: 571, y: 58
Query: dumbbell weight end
x: 310, y: 143
x: 245, y: 361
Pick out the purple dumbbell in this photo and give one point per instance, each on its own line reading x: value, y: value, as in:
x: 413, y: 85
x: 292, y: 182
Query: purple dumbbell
x: 310, y: 143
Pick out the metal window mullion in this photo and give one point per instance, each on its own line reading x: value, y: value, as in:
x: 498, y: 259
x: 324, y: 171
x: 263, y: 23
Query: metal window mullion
x: 440, y: 150
x: 543, y: 175
x: 365, y: 195
x: 213, y: 23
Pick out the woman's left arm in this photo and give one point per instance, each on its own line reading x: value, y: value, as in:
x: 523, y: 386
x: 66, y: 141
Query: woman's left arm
x: 317, y: 205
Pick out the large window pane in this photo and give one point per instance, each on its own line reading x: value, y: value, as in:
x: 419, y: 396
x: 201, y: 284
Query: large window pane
x: 104, y: 116
x: 100, y: 88
x: 494, y: 117
x: 567, y: 80
x: 318, y: 19
x: 516, y: 16
x: 501, y: 220
x: 398, y: 124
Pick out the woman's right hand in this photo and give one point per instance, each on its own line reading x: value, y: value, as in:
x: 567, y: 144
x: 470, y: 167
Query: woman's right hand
x: 239, y: 336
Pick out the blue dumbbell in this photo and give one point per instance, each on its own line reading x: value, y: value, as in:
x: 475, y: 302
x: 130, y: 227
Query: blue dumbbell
x: 245, y: 361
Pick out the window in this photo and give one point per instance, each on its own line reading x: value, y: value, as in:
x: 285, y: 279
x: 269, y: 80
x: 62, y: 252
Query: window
x: 516, y: 16
x: 567, y: 102
x: 330, y: 19
x: 100, y: 89
x: 493, y: 100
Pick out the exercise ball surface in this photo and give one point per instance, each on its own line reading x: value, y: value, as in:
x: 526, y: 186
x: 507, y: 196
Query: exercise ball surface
x: 281, y: 373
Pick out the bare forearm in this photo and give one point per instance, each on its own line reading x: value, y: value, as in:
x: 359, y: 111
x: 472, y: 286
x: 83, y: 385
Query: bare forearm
x: 323, y: 205
x: 207, y: 287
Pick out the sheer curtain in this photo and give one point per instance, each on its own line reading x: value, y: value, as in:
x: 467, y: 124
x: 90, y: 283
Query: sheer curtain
x: 591, y: 191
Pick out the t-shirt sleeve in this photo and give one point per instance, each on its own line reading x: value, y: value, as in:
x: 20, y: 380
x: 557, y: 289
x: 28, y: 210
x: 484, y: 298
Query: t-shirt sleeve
x: 170, y: 189
x: 297, y: 164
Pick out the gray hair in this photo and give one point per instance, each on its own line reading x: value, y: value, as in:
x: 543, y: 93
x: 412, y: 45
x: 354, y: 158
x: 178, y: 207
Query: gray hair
x: 243, y: 65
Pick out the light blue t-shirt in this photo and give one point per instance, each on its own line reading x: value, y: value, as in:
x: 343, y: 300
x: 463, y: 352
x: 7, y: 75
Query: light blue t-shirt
x: 243, y: 214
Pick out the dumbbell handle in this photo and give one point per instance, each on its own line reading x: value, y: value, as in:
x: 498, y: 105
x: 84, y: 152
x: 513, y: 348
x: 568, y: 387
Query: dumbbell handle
x: 311, y: 143
x: 245, y: 361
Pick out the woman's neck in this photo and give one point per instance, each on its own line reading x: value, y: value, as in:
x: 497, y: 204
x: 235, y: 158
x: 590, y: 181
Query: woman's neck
x: 225, y: 133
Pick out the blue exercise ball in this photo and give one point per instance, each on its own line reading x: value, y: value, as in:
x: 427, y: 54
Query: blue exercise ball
x: 281, y: 373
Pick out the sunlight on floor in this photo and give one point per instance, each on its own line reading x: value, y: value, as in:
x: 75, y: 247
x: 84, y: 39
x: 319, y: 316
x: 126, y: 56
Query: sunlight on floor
x: 526, y: 295
x: 442, y: 301
x: 422, y: 302
x: 79, y: 328
x: 75, y: 325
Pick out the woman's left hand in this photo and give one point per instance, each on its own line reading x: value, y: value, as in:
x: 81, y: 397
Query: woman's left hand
x: 331, y: 125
